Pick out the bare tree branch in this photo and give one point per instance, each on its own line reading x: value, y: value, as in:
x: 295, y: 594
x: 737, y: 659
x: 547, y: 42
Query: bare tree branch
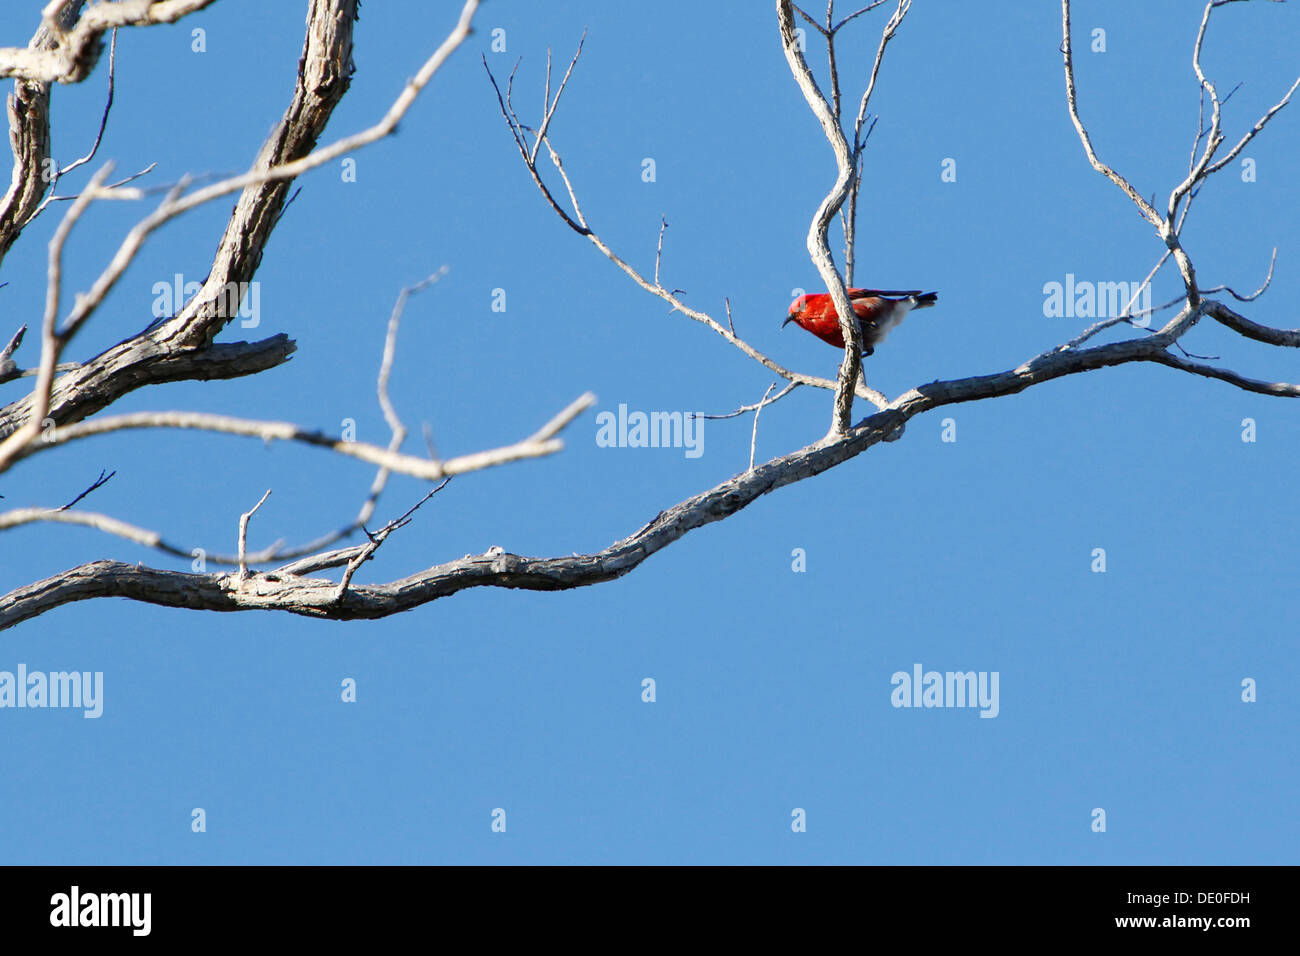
x: 753, y: 436
x: 1071, y: 98
x: 28, y: 110
x: 1268, y: 279
x: 98, y: 483
x: 543, y: 442
x: 312, y: 597
x: 857, y: 13
x: 818, y: 247
x: 757, y: 405
x: 367, y: 550
x: 1279, y: 389
x: 578, y: 223
x: 152, y: 539
x: 8, y: 367
x: 57, y: 171
x: 139, y: 360
x: 846, y: 161
x: 1289, y: 338
x: 243, y: 534
x: 74, y: 52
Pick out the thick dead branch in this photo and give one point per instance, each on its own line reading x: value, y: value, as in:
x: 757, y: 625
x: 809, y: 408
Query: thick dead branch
x: 314, y: 597
x: 325, y: 65
x: 70, y: 54
x: 1289, y: 338
x: 29, y: 127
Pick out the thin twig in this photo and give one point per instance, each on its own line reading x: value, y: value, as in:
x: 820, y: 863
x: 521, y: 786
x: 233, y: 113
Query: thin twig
x: 59, y: 171
x: 659, y: 252
x: 243, y: 534
x: 1254, y: 295
x: 395, y: 425
x: 855, y: 14
x: 98, y: 483
x: 749, y: 408
x: 817, y: 26
x: 753, y: 437
x: 1071, y: 97
x: 367, y: 550
x: 550, y: 110
x: 113, y: 186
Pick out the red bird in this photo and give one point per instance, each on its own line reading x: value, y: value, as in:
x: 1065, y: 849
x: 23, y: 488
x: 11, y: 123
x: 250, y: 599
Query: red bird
x: 878, y: 312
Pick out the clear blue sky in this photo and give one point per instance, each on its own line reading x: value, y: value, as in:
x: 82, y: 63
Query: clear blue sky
x: 1119, y: 690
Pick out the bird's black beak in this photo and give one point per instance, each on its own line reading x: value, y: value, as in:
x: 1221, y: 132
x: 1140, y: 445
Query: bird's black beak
x: 788, y: 320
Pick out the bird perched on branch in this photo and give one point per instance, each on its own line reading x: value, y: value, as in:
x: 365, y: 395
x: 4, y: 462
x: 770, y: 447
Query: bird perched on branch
x: 878, y: 312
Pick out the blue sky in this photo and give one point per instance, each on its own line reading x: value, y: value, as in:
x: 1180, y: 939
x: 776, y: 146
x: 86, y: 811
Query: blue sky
x: 1118, y: 690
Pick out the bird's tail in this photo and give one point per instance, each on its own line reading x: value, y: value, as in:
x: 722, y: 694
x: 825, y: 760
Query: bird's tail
x: 925, y: 300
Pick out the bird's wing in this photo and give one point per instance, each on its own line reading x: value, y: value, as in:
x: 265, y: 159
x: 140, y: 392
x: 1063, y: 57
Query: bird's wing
x: 871, y: 293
